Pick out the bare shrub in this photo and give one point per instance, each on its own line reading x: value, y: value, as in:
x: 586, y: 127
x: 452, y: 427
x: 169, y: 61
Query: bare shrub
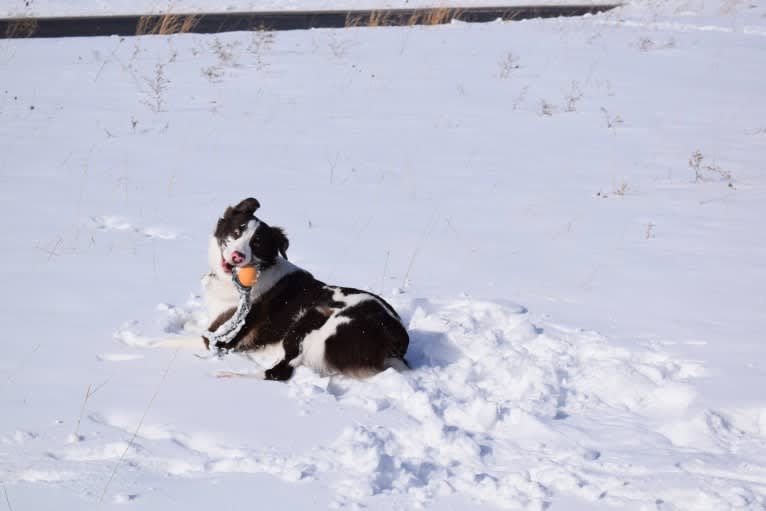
x: 575, y: 95
x: 621, y: 189
x: 521, y: 97
x: 338, y: 47
x: 704, y: 172
x: 507, y: 64
x: 260, y: 43
x: 645, y: 44
x: 225, y: 52
x: 650, y: 230
x: 156, y: 89
x: 611, y: 121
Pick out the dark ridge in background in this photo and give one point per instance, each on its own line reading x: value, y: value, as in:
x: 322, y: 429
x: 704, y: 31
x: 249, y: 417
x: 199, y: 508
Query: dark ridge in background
x: 285, y: 20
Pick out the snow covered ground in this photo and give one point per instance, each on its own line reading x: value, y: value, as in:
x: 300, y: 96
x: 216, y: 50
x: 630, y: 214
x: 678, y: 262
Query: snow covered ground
x: 569, y: 214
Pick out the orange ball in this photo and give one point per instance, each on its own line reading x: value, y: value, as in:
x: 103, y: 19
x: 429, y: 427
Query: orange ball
x: 247, y: 275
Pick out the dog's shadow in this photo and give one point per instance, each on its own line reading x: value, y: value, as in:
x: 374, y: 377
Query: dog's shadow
x: 430, y: 349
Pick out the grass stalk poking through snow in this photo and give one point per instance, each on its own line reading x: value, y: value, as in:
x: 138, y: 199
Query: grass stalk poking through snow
x: 88, y: 394
x: 138, y: 426
x: 7, y: 500
x: 385, y: 269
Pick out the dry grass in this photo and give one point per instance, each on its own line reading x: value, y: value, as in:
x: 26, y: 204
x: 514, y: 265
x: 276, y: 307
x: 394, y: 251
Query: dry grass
x: 508, y: 64
x: 378, y: 19
x: 650, y: 230
x: 156, y: 88
x: 707, y: 172
x: 167, y: 24
x: 437, y: 16
x: 510, y: 14
x: 353, y: 20
x: 416, y: 19
x: 612, y: 122
x: 88, y: 393
x: 440, y: 16
x: 7, y: 500
x: 546, y: 108
x: 573, y: 97
x: 21, y: 28
x: 621, y: 190
x: 382, y: 18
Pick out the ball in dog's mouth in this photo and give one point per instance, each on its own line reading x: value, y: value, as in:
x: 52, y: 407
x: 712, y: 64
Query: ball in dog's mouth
x: 247, y: 275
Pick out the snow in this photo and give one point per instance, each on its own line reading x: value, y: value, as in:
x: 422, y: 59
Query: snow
x: 567, y: 213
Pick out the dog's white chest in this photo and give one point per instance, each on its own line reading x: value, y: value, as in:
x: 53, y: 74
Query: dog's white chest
x: 220, y: 295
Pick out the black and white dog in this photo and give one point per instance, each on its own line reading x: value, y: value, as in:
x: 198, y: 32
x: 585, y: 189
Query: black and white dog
x: 329, y: 328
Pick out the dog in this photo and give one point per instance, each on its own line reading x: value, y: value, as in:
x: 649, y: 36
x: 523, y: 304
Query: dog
x: 331, y: 329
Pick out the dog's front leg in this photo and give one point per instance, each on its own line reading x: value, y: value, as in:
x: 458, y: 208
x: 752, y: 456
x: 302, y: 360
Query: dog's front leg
x: 242, y: 335
x: 217, y: 322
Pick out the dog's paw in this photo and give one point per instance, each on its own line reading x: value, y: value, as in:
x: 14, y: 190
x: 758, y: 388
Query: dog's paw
x: 283, y: 371
x: 220, y: 348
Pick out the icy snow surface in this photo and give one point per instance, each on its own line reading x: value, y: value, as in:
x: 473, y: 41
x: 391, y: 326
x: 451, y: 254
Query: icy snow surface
x: 569, y: 215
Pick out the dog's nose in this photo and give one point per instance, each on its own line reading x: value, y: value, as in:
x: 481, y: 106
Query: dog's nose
x: 237, y: 257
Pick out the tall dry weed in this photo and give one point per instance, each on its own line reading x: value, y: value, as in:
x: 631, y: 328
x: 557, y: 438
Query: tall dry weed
x: 167, y: 24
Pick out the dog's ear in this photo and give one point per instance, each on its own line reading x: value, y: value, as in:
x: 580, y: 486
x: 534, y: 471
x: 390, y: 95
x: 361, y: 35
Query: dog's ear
x: 220, y: 225
x: 280, y: 240
x: 248, y: 206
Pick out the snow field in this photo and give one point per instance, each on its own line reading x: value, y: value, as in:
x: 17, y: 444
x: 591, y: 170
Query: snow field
x: 509, y: 414
x: 549, y: 163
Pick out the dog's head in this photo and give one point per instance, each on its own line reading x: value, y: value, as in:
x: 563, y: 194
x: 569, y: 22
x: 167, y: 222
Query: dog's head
x: 241, y: 238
